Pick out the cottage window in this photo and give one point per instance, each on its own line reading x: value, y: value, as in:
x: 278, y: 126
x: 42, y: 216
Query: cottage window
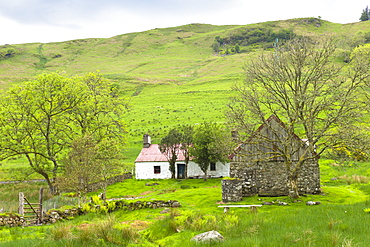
x: 213, y: 166
x: 157, y: 169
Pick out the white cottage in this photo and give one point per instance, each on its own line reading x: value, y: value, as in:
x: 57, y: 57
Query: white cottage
x: 151, y: 163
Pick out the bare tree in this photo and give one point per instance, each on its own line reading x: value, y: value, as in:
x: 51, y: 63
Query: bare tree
x: 170, y: 148
x: 89, y: 161
x: 299, y: 83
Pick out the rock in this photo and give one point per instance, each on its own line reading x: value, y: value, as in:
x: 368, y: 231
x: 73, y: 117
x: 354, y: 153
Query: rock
x: 165, y: 211
x: 267, y: 203
x: 310, y: 203
x: 283, y: 204
x: 210, y: 236
x: 151, y: 184
x: 176, y: 204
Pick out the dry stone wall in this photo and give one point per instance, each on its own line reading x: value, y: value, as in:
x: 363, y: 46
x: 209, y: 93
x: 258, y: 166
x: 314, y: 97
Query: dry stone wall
x: 98, y: 185
x: 54, y: 215
x: 232, y: 190
x: 12, y: 220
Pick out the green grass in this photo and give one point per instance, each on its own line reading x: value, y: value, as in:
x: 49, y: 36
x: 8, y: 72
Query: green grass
x: 340, y: 220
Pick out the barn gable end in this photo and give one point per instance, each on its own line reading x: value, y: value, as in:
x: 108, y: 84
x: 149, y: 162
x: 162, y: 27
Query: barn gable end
x: 261, y: 168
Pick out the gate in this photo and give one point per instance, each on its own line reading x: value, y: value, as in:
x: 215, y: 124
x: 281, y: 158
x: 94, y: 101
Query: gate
x: 31, y: 212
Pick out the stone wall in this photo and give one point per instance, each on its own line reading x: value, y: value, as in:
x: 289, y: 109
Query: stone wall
x: 11, y: 220
x: 270, y: 178
x: 309, y: 178
x: 54, y: 215
x: 98, y: 185
x: 232, y: 190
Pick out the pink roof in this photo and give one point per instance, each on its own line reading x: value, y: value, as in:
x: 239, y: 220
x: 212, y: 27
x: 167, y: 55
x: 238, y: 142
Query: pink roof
x: 153, y: 154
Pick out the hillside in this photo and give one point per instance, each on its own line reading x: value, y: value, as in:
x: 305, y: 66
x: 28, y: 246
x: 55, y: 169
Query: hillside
x: 170, y: 55
x: 172, y: 75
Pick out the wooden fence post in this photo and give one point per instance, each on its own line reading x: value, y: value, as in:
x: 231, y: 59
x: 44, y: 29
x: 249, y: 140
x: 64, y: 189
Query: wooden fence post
x: 21, y: 204
x: 40, y: 204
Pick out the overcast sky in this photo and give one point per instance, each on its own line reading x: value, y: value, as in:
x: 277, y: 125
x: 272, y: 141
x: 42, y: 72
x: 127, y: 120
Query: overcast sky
x: 26, y: 21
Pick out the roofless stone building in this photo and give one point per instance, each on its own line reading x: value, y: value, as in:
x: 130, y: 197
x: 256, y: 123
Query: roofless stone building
x: 258, y: 168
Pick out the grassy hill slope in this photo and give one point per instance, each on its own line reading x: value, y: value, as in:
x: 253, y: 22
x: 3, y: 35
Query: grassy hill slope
x: 172, y: 75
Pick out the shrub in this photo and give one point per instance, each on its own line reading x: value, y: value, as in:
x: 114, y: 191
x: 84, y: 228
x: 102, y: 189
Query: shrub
x: 60, y: 232
x: 355, y: 179
x: 161, y: 229
x: 230, y: 220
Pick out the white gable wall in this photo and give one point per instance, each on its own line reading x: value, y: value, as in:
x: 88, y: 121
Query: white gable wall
x: 145, y: 170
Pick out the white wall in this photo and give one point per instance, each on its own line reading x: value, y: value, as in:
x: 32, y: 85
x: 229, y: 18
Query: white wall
x: 145, y: 170
x: 221, y: 170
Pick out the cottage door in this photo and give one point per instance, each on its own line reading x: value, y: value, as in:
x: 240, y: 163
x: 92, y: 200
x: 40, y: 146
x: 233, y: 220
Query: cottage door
x: 180, y: 171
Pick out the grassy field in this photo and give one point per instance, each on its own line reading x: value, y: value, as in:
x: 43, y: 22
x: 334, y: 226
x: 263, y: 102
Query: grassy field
x: 340, y: 219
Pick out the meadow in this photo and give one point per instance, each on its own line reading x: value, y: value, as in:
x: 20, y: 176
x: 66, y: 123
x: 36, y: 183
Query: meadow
x: 340, y: 220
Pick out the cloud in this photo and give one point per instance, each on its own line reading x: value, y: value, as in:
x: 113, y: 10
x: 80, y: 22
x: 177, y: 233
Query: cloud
x: 26, y: 21
x: 59, y: 12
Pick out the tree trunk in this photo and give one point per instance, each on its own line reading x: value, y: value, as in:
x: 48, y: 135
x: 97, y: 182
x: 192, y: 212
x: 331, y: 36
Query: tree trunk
x: 205, y: 175
x: 52, y: 187
x: 172, y: 169
x: 292, y: 185
x: 51, y: 183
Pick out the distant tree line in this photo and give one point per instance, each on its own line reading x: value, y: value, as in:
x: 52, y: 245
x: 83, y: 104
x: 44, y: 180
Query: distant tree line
x: 237, y: 41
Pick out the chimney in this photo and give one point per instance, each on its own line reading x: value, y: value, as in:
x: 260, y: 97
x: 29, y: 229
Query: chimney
x: 146, y: 141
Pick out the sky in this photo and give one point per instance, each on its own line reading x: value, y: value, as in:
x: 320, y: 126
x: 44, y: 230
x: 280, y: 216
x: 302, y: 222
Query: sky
x: 44, y: 21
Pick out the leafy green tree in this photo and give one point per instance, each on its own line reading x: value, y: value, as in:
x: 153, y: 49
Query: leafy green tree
x: 365, y: 15
x: 211, y: 143
x: 170, y: 147
x: 39, y: 119
x: 299, y: 83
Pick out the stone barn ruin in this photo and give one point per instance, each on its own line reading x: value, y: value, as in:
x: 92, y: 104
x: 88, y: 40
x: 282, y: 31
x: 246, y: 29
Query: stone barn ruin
x: 258, y: 168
